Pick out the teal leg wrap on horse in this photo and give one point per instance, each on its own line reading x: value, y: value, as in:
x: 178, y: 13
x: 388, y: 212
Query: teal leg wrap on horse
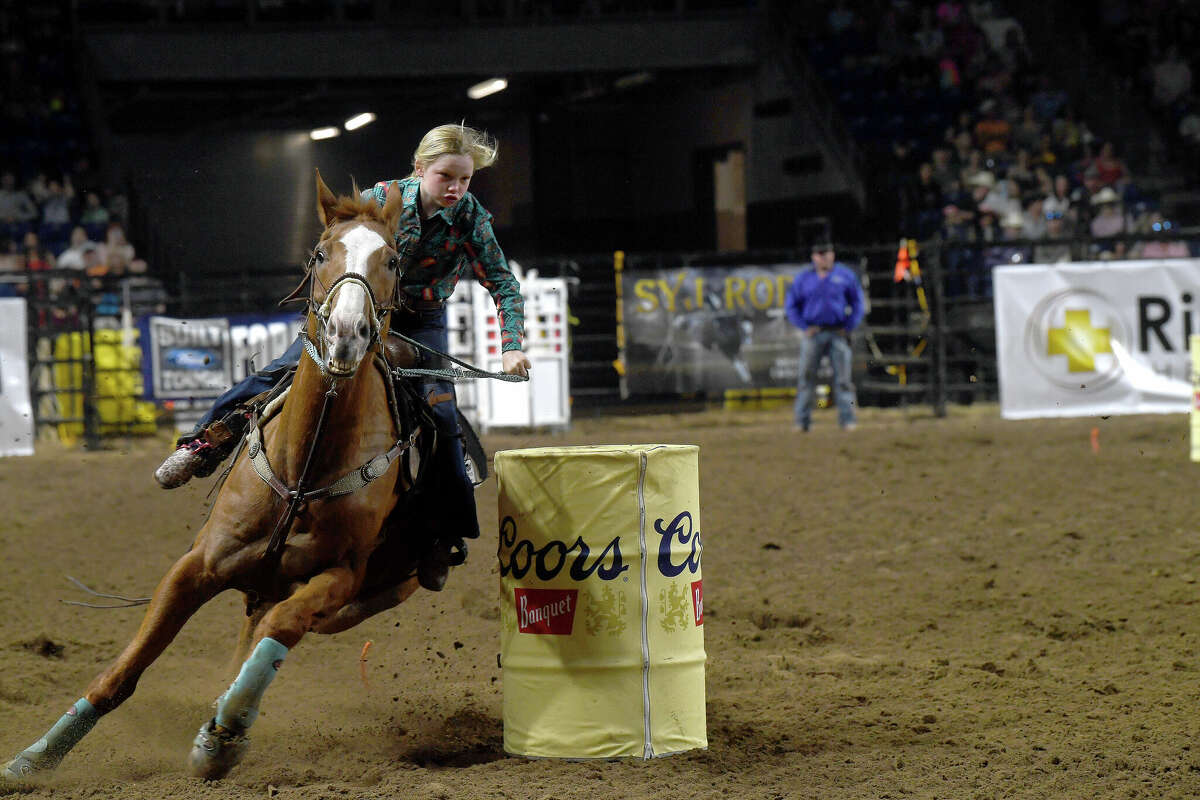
x: 238, y: 707
x: 48, y: 751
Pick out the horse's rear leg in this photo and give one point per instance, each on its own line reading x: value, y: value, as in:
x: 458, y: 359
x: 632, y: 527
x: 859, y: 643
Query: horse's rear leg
x: 222, y: 741
x: 179, y: 594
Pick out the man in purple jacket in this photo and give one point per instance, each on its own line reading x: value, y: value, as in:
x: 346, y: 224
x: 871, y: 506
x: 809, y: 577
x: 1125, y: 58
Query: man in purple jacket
x: 826, y: 303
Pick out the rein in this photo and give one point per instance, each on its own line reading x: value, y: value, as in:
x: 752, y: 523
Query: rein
x: 469, y: 371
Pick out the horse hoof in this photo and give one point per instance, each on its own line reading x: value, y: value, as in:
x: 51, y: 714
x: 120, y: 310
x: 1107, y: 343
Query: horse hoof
x: 28, y: 763
x: 20, y: 770
x: 215, y: 752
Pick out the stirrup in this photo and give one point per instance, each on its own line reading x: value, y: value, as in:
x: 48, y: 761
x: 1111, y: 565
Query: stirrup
x: 215, y: 752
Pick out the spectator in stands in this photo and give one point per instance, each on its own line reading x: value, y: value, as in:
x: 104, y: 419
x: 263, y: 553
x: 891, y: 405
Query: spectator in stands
x: 992, y: 132
x: 1172, y: 79
x: 1054, y: 249
x: 944, y: 171
x: 1005, y: 252
x: 1044, y: 184
x: 118, y: 252
x: 1110, y: 170
x: 36, y: 257
x: 1156, y: 227
x: 981, y: 185
x: 1060, y: 199
x: 16, y: 206
x: 1021, y: 171
x: 1046, y: 155
x: 56, y: 205
x: 922, y: 204
x: 76, y: 256
x: 38, y: 189
x: 37, y: 261
x: 95, y: 216
x: 1048, y: 101
x: 117, y: 204
x: 1028, y: 133
x: 958, y: 215
x: 1189, y: 122
x: 987, y: 224
x: 1034, y: 219
x: 1109, y: 219
x: 826, y: 303
x: 1073, y: 139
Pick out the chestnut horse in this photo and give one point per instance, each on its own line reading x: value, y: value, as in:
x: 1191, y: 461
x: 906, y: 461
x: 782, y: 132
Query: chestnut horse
x: 296, y: 521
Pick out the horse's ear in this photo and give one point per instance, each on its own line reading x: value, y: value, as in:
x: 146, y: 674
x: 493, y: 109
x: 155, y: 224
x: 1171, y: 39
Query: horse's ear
x: 393, y: 208
x: 325, y: 202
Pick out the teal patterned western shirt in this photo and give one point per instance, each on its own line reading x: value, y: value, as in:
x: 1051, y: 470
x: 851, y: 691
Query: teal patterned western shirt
x: 453, y: 242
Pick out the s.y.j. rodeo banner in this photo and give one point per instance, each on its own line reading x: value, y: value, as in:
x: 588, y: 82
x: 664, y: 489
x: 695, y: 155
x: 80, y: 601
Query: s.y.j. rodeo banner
x: 708, y: 329
x: 1095, y: 338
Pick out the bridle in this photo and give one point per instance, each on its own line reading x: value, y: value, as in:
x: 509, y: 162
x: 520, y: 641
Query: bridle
x: 376, y: 311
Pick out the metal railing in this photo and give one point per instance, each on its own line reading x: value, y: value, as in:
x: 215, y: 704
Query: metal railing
x: 927, y: 339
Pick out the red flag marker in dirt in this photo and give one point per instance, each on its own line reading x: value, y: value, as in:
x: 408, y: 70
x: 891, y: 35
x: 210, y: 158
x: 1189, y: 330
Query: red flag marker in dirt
x: 1095, y: 441
x: 362, y: 663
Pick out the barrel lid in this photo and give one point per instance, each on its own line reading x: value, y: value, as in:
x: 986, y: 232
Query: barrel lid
x: 595, y: 450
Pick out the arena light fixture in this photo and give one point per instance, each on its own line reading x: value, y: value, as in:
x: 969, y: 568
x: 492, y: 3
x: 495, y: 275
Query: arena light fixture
x: 484, y: 88
x: 324, y: 133
x: 359, y: 120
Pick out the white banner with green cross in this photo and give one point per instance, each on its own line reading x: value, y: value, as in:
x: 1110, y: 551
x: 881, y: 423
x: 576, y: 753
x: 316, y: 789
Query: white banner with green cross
x: 1096, y: 338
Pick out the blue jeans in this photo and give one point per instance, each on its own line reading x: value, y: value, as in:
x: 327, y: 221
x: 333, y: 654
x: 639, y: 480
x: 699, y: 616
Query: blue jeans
x: 451, y: 489
x: 812, y: 348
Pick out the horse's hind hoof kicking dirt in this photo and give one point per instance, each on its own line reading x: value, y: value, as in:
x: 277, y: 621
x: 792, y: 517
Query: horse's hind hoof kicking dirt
x: 215, y: 752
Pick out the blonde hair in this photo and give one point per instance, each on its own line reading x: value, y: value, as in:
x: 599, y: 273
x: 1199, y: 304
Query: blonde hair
x: 456, y: 140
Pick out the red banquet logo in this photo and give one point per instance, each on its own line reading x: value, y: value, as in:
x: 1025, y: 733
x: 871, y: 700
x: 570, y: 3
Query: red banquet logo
x: 545, y: 611
x: 698, y: 601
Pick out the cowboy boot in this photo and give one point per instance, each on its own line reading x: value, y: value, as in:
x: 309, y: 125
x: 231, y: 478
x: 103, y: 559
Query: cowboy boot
x: 434, y: 566
x: 198, y: 455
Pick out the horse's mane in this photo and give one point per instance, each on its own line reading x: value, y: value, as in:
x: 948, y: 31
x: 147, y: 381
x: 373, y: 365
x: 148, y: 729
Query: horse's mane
x: 351, y: 207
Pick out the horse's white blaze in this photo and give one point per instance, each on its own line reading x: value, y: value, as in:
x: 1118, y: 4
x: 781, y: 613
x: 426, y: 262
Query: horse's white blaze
x: 360, y: 243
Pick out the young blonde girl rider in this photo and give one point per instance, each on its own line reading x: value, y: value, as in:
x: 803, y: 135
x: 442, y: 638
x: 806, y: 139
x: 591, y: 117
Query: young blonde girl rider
x: 444, y: 234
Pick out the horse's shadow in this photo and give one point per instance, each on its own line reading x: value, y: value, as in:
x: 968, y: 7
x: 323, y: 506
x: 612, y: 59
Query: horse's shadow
x: 467, y: 738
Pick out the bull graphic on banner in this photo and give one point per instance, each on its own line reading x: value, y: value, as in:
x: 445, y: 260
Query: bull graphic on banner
x: 708, y: 329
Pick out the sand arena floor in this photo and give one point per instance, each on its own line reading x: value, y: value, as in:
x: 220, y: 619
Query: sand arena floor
x: 957, y: 608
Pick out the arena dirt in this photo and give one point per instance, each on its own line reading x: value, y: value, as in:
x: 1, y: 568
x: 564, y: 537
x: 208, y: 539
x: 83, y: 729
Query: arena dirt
x: 955, y: 608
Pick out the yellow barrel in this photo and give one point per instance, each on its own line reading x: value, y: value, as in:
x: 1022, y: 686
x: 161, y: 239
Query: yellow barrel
x: 602, y: 608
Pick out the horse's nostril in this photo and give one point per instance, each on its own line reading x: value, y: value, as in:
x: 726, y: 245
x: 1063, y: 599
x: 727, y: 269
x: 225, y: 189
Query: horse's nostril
x: 363, y: 330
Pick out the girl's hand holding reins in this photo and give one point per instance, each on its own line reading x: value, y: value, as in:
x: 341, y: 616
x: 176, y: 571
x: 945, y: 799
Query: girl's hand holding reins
x: 516, y: 363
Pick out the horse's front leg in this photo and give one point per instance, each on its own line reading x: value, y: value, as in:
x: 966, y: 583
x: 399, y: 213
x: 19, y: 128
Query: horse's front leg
x: 180, y: 593
x: 222, y: 741
x: 355, y: 612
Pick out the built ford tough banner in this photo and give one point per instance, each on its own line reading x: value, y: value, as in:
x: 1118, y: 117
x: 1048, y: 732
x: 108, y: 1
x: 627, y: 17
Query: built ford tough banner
x: 201, y: 358
x: 1096, y: 338
x: 708, y: 329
